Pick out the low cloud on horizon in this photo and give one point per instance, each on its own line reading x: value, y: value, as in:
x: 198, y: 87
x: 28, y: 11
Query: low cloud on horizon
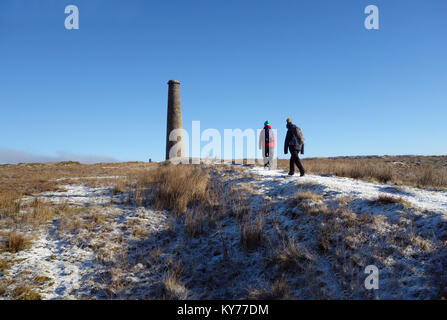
x: 11, y: 156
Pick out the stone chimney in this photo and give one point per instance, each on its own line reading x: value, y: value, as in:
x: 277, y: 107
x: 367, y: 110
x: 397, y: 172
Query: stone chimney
x: 174, y: 120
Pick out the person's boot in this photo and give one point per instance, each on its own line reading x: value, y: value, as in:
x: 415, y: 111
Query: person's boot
x: 291, y: 173
x: 302, y: 174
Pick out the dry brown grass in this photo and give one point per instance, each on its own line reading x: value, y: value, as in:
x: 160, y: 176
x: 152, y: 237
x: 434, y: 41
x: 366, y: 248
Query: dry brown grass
x: 324, y: 241
x: 70, y: 218
x: 172, y: 288
x: 121, y: 186
x: 17, y: 181
x: 170, y: 187
x: 276, y: 290
x: 292, y: 255
x: 4, y: 265
x: 418, y: 171
x: 34, y: 178
x: 308, y: 195
x: 238, y: 206
x: 38, y: 280
x: 251, y: 232
x: 10, y: 204
x: 387, y: 199
x: 352, y: 168
x: 384, y: 199
x: 113, y: 281
x: 312, y: 208
x: 25, y: 292
x: 16, y: 242
x: 432, y: 177
x: 139, y: 232
x: 3, y: 288
x: 41, y: 212
x: 442, y: 291
x: 98, y: 218
x: 178, y: 186
x: 34, y: 213
x: 196, y: 221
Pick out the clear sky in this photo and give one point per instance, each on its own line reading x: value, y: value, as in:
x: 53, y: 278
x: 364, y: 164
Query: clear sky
x: 100, y: 92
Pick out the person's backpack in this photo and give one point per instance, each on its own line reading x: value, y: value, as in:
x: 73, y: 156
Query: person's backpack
x: 301, y: 139
x: 300, y: 136
x: 297, y: 138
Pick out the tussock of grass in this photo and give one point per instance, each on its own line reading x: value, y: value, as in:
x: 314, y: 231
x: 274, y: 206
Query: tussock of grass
x: 387, y: 199
x: 10, y: 204
x: 4, y: 265
x: 292, y: 255
x: 41, y: 212
x: 251, y: 232
x: 70, y: 218
x: 139, y: 232
x: 41, y: 279
x: 195, y: 222
x: 324, y: 239
x: 313, y: 208
x: 432, y: 177
x: 69, y: 210
x: 177, y: 186
x: 343, y: 201
x: 98, y: 218
x: 16, y: 242
x: 172, y: 287
x: 24, y: 292
x: 308, y: 195
x: 277, y: 290
x: 3, y: 288
x: 119, y: 187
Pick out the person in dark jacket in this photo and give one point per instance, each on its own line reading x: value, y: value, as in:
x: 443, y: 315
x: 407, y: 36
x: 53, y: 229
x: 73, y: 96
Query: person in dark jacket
x: 294, y: 143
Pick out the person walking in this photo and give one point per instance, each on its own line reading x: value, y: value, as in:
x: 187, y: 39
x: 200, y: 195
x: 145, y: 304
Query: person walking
x: 267, y: 144
x: 295, y: 144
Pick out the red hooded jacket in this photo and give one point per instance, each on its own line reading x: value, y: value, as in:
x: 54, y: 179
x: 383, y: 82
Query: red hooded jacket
x: 262, y: 138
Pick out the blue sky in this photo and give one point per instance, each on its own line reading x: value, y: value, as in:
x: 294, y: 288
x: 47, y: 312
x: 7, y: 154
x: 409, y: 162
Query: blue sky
x: 102, y: 90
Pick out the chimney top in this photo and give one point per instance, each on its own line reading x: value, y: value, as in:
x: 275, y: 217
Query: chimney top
x: 173, y: 82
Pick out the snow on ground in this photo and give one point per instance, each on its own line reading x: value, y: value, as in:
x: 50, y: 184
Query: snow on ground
x: 63, y: 265
x: 422, y: 199
x: 78, y: 194
x: 407, y: 243
x: 129, y: 249
x: 71, y: 263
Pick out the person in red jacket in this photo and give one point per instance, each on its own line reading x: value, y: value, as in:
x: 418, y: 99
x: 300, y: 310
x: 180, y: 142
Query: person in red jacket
x: 267, y: 144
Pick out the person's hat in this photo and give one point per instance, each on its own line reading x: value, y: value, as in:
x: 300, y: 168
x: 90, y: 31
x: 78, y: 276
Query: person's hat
x: 266, y: 123
x: 289, y: 120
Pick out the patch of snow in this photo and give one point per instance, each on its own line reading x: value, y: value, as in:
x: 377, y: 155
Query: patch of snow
x: 78, y: 194
x: 64, y: 264
x: 347, y: 187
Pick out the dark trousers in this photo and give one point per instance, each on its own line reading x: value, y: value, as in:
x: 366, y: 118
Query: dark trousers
x: 295, y: 160
x: 268, y: 156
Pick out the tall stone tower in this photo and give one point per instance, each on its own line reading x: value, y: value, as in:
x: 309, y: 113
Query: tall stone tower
x: 174, y: 120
